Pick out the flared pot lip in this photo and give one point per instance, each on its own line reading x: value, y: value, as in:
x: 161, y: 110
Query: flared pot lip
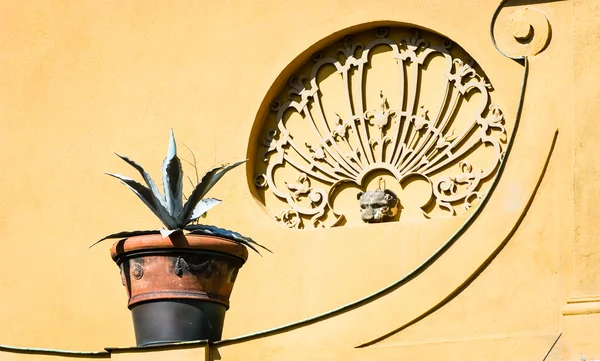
x: 178, y: 241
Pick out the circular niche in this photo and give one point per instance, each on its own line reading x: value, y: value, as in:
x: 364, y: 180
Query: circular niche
x: 391, y: 108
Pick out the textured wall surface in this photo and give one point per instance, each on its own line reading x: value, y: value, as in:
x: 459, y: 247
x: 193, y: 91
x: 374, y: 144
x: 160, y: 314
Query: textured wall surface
x: 81, y: 79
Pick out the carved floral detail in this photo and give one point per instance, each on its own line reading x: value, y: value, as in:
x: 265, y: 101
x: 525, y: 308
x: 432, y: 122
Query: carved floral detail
x: 402, y: 136
x: 290, y: 218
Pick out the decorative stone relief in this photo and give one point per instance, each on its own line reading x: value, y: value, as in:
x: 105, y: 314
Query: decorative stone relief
x: 377, y: 205
x: 522, y: 31
x: 398, y: 105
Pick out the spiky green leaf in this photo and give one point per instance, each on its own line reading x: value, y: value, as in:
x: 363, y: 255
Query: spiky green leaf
x: 234, y: 236
x: 173, y: 179
x: 206, y: 183
x: 209, y: 233
x: 202, y: 207
x: 148, y: 198
x: 196, y: 196
x: 125, y: 234
x: 146, y: 178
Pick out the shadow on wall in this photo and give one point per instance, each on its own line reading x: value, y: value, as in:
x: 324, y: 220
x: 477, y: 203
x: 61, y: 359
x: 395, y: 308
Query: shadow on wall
x: 528, y: 2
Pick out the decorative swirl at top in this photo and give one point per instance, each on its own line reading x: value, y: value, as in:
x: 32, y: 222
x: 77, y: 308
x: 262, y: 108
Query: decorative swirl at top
x: 520, y: 31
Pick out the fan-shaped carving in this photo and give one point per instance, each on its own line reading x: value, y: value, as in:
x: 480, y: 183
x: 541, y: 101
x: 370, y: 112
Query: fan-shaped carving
x: 400, y: 106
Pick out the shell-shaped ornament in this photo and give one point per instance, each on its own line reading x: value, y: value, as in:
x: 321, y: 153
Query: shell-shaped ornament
x: 398, y: 109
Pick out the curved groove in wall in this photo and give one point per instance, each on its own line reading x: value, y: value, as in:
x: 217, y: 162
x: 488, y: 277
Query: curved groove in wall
x: 483, y: 266
x: 416, y: 271
x: 437, y: 254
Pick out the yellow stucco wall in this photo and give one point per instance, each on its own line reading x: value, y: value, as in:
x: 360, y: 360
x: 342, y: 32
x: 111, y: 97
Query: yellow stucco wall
x: 81, y: 79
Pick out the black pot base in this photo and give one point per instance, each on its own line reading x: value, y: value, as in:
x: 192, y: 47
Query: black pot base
x: 177, y: 320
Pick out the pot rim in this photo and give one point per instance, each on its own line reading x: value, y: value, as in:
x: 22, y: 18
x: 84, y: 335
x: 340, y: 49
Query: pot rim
x: 178, y: 241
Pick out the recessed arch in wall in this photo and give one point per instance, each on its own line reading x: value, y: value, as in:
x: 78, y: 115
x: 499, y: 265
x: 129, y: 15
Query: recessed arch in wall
x: 391, y: 107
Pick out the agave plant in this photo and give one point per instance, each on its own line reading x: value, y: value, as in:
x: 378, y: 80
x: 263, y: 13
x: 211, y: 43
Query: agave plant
x: 170, y: 208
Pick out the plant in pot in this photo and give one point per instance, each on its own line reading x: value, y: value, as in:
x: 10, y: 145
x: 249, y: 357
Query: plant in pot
x: 179, y: 277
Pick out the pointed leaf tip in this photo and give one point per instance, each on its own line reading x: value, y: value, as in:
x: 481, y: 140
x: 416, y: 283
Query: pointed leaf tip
x: 145, y: 194
x: 146, y: 177
x: 124, y: 234
x: 172, y: 151
x: 167, y: 232
x: 206, y: 183
x: 233, y: 236
x: 200, y: 210
x: 173, y: 180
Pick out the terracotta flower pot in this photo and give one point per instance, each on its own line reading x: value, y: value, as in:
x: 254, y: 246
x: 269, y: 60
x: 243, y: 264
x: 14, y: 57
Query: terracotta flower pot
x: 178, y: 287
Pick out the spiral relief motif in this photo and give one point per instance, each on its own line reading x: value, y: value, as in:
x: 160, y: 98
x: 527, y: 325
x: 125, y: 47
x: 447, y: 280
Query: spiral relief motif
x: 521, y: 31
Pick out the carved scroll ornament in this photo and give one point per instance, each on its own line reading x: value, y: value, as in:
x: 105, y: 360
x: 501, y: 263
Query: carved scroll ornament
x: 398, y: 102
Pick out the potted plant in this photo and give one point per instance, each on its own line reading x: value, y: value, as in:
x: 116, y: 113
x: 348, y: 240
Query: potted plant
x: 178, y: 278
